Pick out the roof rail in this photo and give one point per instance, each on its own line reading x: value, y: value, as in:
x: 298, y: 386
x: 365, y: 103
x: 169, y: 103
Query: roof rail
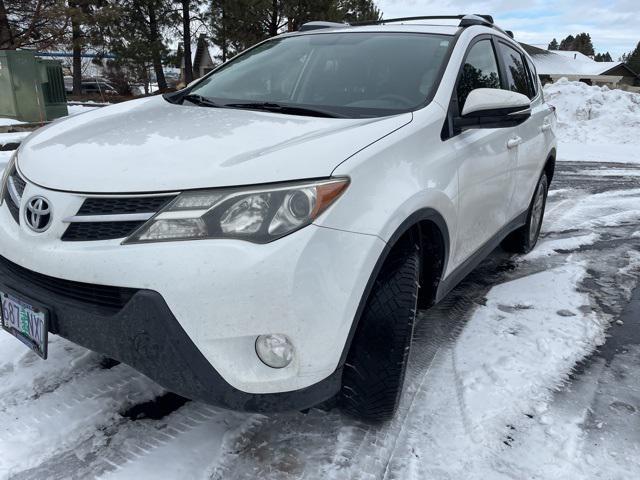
x: 479, y: 19
x: 306, y: 27
x: 470, y: 20
x: 467, y: 20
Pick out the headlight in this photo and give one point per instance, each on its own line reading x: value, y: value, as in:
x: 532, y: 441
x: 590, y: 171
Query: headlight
x: 255, y: 214
x: 5, y: 175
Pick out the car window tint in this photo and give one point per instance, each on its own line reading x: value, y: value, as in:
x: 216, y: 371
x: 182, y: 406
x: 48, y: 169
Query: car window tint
x: 480, y: 70
x: 532, y: 77
x: 353, y: 74
x: 517, y: 76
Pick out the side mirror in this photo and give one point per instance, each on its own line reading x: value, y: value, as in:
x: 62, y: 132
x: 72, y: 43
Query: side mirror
x: 493, y: 108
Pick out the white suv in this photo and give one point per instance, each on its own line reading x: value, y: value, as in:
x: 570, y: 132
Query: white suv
x: 261, y: 239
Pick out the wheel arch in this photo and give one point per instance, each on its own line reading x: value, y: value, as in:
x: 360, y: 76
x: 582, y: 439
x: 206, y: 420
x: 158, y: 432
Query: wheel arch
x: 429, y: 230
x: 550, y: 165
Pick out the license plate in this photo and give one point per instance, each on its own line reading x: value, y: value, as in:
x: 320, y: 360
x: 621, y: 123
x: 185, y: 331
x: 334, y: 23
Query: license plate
x: 27, y: 323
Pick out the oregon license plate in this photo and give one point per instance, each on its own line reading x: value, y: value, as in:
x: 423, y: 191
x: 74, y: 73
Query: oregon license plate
x: 26, y: 322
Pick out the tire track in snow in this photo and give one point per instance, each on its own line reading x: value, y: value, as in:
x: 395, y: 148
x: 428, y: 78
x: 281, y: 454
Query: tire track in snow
x: 359, y: 450
x: 26, y: 377
x: 138, y: 448
x: 40, y: 428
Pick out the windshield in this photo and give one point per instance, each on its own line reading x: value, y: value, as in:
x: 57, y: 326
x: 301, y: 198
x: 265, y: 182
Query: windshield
x: 348, y: 74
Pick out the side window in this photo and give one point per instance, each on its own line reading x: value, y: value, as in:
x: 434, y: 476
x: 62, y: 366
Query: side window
x: 517, y: 76
x: 480, y: 70
x: 533, y: 77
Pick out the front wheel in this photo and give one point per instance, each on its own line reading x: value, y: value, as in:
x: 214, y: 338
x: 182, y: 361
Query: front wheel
x: 525, y: 238
x: 375, y: 368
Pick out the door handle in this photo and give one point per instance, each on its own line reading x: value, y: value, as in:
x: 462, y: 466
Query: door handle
x: 546, y: 126
x: 514, y: 142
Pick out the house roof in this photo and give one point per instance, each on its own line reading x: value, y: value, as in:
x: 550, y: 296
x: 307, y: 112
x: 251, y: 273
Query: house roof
x: 561, y: 62
x: 573, y: 55
x: 199, y: 52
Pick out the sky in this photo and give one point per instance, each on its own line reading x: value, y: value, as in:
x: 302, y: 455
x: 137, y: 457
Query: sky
x: 614, y: 25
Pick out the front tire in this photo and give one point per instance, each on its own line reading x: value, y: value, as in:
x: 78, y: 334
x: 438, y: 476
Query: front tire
x: 375, y: 368
x: 524, y: 239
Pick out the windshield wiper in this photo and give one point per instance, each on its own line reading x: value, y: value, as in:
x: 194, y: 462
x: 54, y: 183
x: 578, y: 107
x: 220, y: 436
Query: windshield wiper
x: 200, y: 100
x: 286, y: 109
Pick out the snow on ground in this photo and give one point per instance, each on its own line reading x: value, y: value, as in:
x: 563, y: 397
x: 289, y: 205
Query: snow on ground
x: 4, y: 121
x: 13, y: 137
x: 608, y: 121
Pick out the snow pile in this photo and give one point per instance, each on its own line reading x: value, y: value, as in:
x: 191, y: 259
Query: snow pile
x: 595, y: 123
x: 594, y: 114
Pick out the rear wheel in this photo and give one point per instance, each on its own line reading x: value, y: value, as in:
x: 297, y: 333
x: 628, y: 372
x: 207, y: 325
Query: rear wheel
x: 376, y: 364
x: 525, y: 238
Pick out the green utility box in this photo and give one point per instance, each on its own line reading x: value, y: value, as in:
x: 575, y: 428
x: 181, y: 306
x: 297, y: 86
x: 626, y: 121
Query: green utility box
x: 31, y: 88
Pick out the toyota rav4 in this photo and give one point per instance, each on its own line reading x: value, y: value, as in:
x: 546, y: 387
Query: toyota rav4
x: 262, y: 239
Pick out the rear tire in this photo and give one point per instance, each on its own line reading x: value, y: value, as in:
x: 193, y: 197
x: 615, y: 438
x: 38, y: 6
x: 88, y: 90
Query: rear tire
x: 375, y: 368
x: 525, y: 238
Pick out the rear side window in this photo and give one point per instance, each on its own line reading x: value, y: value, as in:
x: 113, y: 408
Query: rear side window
x: 518, y: 79
x: 532, y: 77
x: 480, y: 70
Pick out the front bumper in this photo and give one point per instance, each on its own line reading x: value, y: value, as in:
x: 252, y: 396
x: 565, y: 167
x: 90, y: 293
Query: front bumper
x: 145, y: 334
x: 221, y: 294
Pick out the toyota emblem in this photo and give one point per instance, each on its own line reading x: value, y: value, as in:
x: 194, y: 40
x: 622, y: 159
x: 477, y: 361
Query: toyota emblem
x: 37, y: 213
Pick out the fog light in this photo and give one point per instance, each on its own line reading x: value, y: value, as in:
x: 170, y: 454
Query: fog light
x: 275, y: 351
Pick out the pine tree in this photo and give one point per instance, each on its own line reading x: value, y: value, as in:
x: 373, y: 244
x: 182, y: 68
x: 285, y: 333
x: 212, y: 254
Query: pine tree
x: 353, y: 11
x: 6, y: 35
x: 580, y: 43
x: 553, y: 45
x: 633, y: 59
x: 603, y: 57
x: 137, y: 36
x: 238, y: 24
x: 583, y: 44
x: 38, y: 24
x: 84, y: 19
x: 567, y: 43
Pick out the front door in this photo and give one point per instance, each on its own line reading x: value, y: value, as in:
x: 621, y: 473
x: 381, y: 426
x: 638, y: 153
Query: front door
x: 534, y: 133
x: 485, y: 161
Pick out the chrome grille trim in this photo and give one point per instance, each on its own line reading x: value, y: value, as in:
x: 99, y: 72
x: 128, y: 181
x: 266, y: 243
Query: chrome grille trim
x: 16, y: 197
x: 13, y: 193
x: 124, y: 217
x: 111, y: 217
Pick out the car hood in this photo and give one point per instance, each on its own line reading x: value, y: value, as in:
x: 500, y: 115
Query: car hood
x: 152, y: 145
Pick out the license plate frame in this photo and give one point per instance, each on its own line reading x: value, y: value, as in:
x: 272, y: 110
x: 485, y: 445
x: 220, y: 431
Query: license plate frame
x: 22, y: 318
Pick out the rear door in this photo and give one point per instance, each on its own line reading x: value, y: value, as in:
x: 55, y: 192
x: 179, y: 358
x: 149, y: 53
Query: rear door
x: 485, y: 162
x: 519, y: 76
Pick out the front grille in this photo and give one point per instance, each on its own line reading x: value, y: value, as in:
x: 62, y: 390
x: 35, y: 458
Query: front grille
x: 91, y: 231
x: 119, y: 205
x: 13, y: 208
x: 18, y: 185
x: 109, y: 229
x: 103, y: 295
